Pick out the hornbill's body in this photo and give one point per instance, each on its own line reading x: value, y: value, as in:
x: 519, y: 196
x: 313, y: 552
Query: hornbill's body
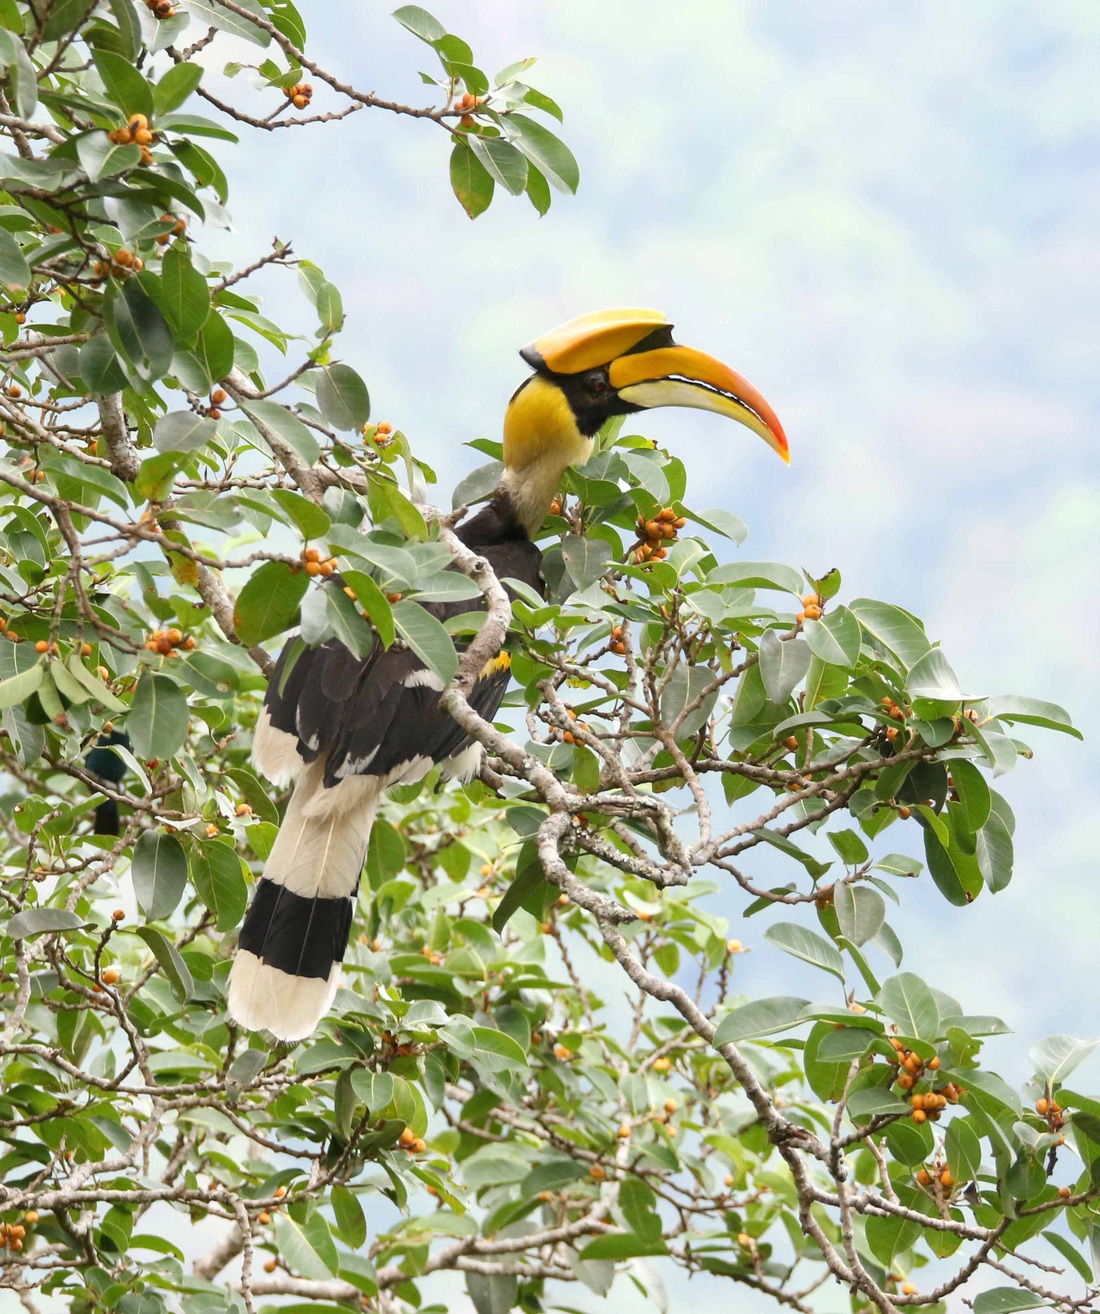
x: 345, y: 729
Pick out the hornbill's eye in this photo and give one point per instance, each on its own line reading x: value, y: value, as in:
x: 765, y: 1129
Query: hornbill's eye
x: 597, y: 385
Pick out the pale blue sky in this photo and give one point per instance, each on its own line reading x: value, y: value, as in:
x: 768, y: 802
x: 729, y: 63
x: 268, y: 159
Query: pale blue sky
x: 886, y: 217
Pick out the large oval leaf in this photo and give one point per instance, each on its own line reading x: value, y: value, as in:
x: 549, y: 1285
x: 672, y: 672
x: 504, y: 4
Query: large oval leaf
x: 268, y: 604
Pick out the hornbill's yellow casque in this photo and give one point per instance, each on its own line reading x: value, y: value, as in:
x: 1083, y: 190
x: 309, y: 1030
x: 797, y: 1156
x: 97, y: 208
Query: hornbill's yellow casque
x: 346, y: 728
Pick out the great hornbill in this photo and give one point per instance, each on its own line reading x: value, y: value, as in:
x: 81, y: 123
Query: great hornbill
x: 345, y: 729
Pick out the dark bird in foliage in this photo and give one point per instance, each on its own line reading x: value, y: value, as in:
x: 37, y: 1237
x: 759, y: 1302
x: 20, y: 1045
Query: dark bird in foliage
x: 344, y: 729
x: 105, y: 763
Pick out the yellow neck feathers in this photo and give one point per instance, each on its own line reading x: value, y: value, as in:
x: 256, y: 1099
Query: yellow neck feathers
x: 541, y: 440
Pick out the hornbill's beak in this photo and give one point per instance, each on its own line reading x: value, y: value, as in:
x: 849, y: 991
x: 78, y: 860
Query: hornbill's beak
x: 646, y: 369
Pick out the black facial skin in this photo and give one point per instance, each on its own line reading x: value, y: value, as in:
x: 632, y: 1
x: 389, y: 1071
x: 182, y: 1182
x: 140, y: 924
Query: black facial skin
x: 590, y: 395
x: 592, y: 399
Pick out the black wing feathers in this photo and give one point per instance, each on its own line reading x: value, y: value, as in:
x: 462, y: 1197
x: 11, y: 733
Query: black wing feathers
x: 370, y: 715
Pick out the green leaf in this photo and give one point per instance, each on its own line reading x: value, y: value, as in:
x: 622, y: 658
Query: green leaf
x: 185, y: 300
x: 247, y: 1066
x: 427, y: 638
x: 286, y: 426
x: 64, y: 16
x: 757, y: 575
x: 18, y: 688
x: 888, y: 1237
x: 40, y: 921
x: 861, y: 912
x: 306, y: 516
x: 15, y: 273
x: 139, y: 331
x: 268, y: 603
x: 387, y: 500
x: 213, y: 351
x: 308, y: 1248
x: 124, y: 84
x: 761, y: 1017
x: 175, y: 86
x: 93, y: 684
x: 159, y: 873
x: 807, y: 945
x: 973, y: 793
x: 549, y: 154
x: 931, y: 677
x: 835, y: 638
x: 374, y: 602
x: 529, y: 883
x: 99, y: 366
x: 182, y: 431
x: 350, y: 1222
x: 1032, y: 711
x: 586, y: 559
x: 852, y: 850
x: 909, y: 1142
x: 330, y: 307
x: 622, y: 1245
x: 964, y: 1150
x: 908, y: 1002
x: 171, y: 962
x: 100, y: 157
x: 420, y: 23
x: 956, y: 874
x: 1006, y: 1300
x: 343, y: 398
x: 893, y: 629
x: 211, y: 14
x: 502, y: 161
x: 783, y: 662
x: 638, y: 1203
x: 1066, y: 1250
x: 471, y: 182
x: 1054, y: 1058
x: 157, y: 721
x: 538, y: 190
x: 492, y: 1293
x: 874, y: 1102
x: 994, y: 852
x: 217, y: 876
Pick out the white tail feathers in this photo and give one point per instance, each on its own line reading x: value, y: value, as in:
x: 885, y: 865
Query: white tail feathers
x: 322, y: 842
x: 263, y: 998
x: 287, y: 967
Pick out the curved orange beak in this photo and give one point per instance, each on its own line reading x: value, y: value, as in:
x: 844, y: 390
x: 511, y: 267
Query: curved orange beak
x: 682, y: 376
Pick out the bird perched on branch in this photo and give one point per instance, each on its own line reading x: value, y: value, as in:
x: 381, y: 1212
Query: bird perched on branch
x: 344, y: 729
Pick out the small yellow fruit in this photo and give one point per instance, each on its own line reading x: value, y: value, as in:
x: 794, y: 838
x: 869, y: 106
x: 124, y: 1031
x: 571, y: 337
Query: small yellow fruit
x: 662, y: 1064
x: 109, y: 975
x: 907, y: 1289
